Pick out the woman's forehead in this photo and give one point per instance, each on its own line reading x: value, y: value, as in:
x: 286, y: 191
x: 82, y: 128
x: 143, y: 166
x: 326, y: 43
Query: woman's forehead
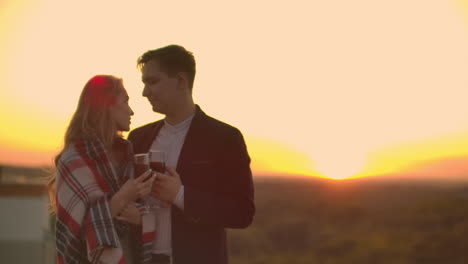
x: 122, y: 93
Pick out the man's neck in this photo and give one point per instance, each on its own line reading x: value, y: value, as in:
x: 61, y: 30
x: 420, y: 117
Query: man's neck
x: 181, y: 114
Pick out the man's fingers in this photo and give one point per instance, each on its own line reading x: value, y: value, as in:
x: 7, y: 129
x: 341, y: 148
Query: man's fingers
x: 172, y: 171
x: 161, y: 181
x: 162, y: 178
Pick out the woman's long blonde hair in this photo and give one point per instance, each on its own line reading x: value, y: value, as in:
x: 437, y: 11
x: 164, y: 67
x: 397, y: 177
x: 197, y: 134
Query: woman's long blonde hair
x: 91, y: 119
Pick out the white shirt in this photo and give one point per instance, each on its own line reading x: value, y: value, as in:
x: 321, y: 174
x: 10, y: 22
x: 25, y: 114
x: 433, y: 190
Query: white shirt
x: 170, y: 140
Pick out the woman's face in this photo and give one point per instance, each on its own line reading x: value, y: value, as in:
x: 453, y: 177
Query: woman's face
x: 121, y: 111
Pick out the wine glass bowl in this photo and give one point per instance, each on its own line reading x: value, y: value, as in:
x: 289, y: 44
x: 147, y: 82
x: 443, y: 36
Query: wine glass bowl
x: 157, y: 161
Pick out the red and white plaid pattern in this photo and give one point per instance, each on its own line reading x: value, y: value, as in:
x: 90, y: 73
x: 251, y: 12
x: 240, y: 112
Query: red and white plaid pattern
x: 85, y: 230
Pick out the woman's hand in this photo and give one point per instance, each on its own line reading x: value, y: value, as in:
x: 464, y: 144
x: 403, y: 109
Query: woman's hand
x: 130, y: 214
x: 136, y: 188
x: 130, y: 191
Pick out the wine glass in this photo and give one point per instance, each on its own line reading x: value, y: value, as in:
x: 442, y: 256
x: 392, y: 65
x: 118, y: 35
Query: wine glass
x: 157, y: 161
x: 141, y: 166
x: 157, y: 164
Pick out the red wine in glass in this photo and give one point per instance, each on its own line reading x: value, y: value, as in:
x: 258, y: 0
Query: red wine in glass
x: 157, y: 161
x: 158, y: 166
x: 140, y: 169
x: 141, y: 164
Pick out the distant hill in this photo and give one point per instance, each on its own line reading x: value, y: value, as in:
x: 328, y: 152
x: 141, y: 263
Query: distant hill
x: 23, y: 175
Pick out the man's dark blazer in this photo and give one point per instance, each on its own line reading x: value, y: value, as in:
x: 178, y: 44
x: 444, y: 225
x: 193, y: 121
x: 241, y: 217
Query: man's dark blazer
x: 214, y: 167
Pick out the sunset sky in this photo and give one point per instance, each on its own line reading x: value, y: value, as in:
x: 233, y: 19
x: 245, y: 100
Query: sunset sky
x: 319, y: 88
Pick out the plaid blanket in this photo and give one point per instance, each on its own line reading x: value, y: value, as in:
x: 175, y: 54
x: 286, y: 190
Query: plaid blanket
x: 85, y: 230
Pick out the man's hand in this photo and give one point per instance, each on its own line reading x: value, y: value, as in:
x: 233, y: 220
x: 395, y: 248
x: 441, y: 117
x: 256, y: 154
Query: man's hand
x: 166, y: 187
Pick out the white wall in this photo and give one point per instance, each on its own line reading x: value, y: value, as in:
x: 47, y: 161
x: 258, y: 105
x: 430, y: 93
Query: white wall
x: 23, y: 219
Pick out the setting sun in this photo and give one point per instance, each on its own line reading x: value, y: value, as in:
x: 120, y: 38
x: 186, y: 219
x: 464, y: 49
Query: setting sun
x: 328, y: 166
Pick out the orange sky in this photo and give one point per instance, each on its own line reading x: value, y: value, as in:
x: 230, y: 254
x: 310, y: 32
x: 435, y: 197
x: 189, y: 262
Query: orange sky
x: 325, y: 88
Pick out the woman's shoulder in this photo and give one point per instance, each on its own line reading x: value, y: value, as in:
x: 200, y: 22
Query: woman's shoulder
x: 70, y: 154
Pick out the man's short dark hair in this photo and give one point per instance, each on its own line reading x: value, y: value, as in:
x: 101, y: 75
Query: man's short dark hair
x: 172, y: 59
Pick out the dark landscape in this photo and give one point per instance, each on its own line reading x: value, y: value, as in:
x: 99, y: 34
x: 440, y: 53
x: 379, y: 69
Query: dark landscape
x: 310, y: 220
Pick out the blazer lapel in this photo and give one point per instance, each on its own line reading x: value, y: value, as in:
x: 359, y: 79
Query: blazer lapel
x: 193, y: 140
x: 146, y: 140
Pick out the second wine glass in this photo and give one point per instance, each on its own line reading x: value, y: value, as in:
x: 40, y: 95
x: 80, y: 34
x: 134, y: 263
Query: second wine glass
x: 157, y: 164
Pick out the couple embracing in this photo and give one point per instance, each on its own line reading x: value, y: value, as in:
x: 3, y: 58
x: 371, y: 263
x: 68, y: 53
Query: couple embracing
x: 206, y: 188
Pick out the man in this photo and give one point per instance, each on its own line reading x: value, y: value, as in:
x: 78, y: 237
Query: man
x: 214, y: 190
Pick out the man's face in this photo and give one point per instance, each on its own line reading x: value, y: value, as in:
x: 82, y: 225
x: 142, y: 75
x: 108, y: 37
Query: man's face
x: 161, y: 90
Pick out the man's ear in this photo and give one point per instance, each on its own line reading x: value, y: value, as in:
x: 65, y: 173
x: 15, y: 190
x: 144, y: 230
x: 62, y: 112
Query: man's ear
x: 182, y: 80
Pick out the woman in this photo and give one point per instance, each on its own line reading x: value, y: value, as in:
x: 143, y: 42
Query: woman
x: 94, y: 189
